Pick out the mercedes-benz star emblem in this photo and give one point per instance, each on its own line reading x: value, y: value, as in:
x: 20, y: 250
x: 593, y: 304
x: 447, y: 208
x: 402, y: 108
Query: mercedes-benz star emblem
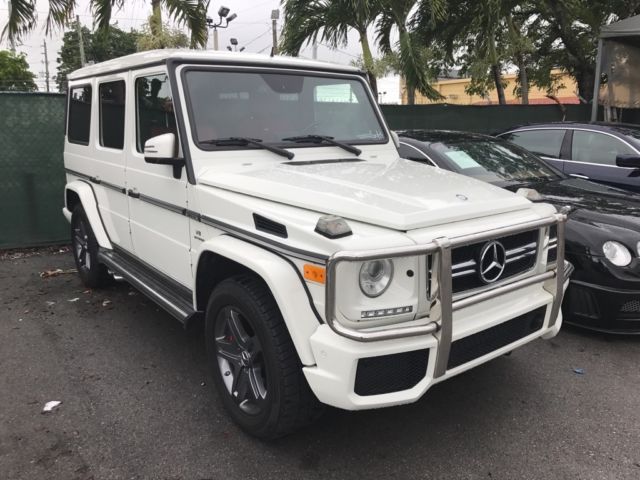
x: 492, y: 261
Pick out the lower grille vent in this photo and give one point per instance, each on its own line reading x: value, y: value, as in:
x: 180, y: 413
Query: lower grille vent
x: 390, y: 373
x: 474, y: 346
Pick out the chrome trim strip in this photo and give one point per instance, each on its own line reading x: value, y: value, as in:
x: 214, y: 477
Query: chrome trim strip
x: 230, y: 229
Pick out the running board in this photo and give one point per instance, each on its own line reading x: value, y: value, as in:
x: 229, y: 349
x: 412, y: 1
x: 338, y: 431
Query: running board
x: 171, y: 296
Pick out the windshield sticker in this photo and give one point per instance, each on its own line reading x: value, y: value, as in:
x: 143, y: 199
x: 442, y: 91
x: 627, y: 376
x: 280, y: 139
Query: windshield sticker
x: 462, y: 159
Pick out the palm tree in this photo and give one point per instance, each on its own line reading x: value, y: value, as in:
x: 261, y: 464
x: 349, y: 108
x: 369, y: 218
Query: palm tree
x: 412, y: 55
x: 329, y: 21
x: 23, y: 16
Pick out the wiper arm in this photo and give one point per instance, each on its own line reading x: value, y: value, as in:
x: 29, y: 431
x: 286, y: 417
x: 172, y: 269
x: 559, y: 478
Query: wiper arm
x: 323, y: 139
x: 241, y: 141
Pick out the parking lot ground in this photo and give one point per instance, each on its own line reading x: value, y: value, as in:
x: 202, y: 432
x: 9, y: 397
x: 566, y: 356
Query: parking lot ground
x: 136, y: 402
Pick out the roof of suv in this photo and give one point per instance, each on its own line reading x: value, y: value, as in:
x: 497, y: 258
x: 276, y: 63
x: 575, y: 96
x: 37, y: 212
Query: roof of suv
x: 156, y: 57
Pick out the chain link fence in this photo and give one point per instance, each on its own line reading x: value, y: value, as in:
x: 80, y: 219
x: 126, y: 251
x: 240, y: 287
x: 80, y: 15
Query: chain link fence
x: 32, y: 178
x: 32, y: 140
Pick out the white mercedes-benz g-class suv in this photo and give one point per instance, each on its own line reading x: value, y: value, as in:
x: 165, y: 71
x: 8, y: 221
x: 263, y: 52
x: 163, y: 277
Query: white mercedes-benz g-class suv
x: 265, y: 196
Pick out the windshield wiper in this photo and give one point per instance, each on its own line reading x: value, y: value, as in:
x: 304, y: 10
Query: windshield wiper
x: 242, y: 141
x: 323, y: 139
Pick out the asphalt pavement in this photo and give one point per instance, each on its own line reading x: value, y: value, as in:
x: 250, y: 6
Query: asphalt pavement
x: 137, y: 402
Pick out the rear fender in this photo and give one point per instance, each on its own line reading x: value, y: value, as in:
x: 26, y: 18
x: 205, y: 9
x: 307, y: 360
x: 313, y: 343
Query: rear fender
x: 90, y: 206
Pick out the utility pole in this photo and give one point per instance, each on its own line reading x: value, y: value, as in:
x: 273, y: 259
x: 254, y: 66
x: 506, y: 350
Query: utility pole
x: 12, y: 45
x: 215, y: 39
x: 275, y: 15
x: 83, y: 60
x: 314, y: 51
x: 46, y: 64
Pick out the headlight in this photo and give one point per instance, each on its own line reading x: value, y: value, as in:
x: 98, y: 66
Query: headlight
x: 617, y: 253
x: 375, y: 277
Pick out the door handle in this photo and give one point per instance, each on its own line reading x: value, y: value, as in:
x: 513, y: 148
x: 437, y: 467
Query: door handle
x: 133, y: 193
x: 578, y: 175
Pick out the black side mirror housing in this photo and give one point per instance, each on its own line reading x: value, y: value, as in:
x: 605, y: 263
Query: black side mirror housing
x: 628, y: 160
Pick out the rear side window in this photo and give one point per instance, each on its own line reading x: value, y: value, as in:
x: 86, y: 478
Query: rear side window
x: 112, y: 114
x: 154, y: 109
x: 543, y: 142
x: 79, y: 115
x: 594, y: 147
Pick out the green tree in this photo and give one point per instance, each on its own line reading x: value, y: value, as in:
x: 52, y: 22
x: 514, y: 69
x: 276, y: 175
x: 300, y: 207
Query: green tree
x: 329, y: 21
x: 15, y: 75
x: 99, y: 46
x: 566, y: 36
x: 23, y: 16
x: 154, y: 35
x: 192, y: 13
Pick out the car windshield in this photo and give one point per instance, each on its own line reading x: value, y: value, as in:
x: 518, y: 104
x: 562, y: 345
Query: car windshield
x: 272, y: 107
x: 493, y: 160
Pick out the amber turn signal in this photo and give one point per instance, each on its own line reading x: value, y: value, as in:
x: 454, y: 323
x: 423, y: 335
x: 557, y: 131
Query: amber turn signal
x: 314, y: 273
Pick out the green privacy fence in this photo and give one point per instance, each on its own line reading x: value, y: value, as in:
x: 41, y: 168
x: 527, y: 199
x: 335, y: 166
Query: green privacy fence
x: 480, y: 119
x: 31, y: 143
x: 31, y: 170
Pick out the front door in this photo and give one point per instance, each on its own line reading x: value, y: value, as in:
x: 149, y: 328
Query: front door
x: 157, y: 200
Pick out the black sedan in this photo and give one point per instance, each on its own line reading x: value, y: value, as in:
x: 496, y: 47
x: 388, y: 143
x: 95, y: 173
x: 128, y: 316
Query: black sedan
x: 602, y: 234
x: 607, y: 153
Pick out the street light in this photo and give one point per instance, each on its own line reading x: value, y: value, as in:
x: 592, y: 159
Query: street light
x: 225, y: 19
x: 234, y: 43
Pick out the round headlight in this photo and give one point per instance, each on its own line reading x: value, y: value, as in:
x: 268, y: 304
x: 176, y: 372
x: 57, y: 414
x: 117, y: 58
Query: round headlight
x: 375, y: 277
x: 616, y: 253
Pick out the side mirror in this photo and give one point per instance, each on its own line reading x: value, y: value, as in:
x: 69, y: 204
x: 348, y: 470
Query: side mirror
x: 629, y: 161
x: 161, y: 150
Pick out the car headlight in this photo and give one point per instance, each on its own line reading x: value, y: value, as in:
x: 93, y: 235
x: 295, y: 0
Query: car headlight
x: 375, y: 277
x: 616, y: 253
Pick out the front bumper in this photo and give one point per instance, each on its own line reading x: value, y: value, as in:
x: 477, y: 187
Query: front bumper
x: 602, y: 308
x: 483, y: 331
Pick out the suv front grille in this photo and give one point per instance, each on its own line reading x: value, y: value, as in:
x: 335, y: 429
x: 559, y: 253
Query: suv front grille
x: 520, y: 253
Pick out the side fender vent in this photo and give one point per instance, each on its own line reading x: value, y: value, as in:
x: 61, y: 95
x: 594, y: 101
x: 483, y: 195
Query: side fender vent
x: 263, y: 224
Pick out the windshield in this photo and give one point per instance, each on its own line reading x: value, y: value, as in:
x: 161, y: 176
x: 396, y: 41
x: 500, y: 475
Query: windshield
x: 493, y: 161
x: 271, y: 107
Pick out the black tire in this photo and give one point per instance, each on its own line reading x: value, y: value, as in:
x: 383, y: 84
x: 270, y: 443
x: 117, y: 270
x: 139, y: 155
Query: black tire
x: 85, y: 251
x: 272, y: 397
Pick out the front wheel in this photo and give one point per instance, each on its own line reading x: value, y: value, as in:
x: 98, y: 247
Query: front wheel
x: 254, y: 364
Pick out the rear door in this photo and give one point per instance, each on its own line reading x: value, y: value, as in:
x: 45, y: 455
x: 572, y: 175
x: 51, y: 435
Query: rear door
x: 545, y: 142
x: 593, y: 156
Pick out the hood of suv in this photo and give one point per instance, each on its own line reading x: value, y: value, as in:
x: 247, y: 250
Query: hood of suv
x: 402, y: 195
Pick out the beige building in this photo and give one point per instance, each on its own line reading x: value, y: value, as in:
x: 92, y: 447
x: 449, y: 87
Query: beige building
x: 454, y: 92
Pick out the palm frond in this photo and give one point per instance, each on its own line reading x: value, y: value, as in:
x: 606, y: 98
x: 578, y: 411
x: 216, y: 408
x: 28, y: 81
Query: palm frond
x: 102, y: 11
x: 60, y: 13
x: 193, y: 14
x: 22, y: 19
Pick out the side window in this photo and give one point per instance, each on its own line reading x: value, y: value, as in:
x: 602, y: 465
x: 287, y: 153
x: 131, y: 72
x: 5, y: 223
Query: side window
x: 112, y: 114
x: 154, y: 109
x: 79, y: 115
x: 594, y: 147
x: 543, y: 142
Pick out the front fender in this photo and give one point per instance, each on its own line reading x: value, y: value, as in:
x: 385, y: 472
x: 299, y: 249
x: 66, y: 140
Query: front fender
x: 90, y: 205
x: 283, y: 280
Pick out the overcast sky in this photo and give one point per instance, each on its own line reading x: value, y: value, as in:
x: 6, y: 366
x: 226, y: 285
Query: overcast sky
x: 252, y: 28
